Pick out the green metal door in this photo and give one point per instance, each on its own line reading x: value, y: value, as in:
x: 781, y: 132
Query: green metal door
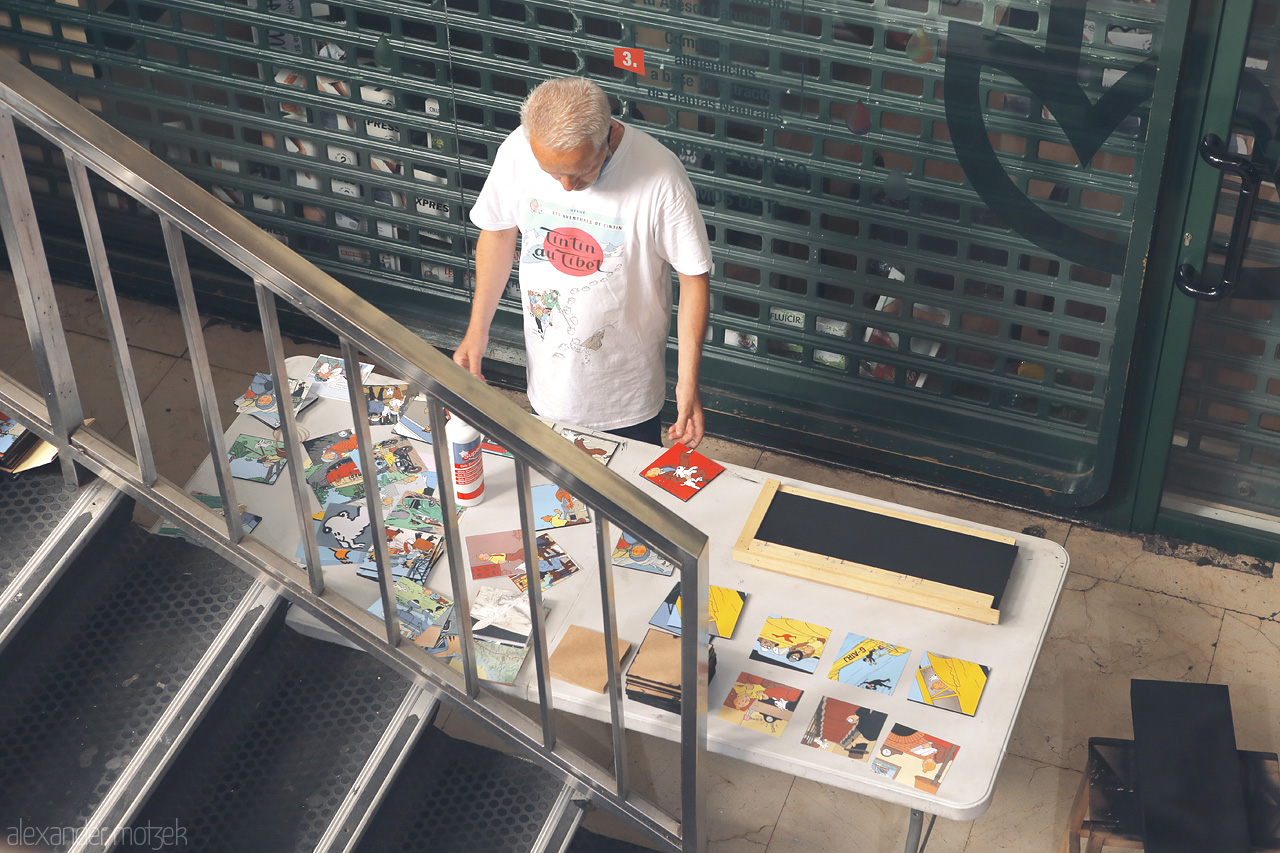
x: 930, y: 218
x: 1213, y: 472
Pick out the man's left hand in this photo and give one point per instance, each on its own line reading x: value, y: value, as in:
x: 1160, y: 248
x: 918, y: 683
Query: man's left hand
x: 689, y: 419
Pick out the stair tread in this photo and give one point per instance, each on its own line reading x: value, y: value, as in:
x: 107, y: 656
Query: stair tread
x: 458, y: 797
x: 31, y: 506
x: 280, y: 748
x: 97, y: 664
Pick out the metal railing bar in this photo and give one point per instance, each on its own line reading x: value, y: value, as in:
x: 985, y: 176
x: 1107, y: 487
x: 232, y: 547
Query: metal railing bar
x: 353, y: 622
x: 292, y: 435
x: 39, y: 306
x: 372, y: 495
x: 173, y: 242
x: 613, y: 684
x: 445, y: 487
x: 111, y: 314
x: 694, y: 664
x: 533, y: 577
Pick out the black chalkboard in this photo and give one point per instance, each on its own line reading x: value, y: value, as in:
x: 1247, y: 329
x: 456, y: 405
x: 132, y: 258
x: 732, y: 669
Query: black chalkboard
x: 912, y: 548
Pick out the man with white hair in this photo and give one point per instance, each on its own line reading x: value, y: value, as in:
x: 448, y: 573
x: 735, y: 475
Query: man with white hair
x: 604, y: 212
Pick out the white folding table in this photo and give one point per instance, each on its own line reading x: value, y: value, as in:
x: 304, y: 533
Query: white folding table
x: 720, y: 510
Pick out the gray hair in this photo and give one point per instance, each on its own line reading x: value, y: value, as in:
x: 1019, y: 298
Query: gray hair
x: 564, y: 112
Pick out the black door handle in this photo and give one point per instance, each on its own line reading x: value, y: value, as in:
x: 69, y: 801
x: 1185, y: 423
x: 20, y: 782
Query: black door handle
x: 1215, y: 154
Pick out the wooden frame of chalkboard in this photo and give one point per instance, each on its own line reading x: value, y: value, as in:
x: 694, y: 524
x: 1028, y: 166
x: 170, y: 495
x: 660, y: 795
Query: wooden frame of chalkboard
x: 887, y: 553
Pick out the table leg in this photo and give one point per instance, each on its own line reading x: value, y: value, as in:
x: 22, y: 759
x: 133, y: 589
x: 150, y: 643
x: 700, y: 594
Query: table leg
x: 915, y: 844
x: 913, y: 831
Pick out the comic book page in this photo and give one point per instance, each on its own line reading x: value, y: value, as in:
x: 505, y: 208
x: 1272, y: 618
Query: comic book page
x: 844, y: 729
x: 869, y: 663
x: 345, y: 525
x: 332, y: 555
x: 328, y: 376
x: 422, y: 612
x: 723, y: 605
x: 949, y: 683
x: 554, y: 507
x: 914, y: 758
x: 681, y: 471
x: 330, y: 447
x: 396, y: 459
x: 631, y: 553
x: 259, y: 399
x: 790, y: 643
x: 759, y: 704
x: 554, y: 565
x: 412, y: 553
x: 598, y: 447
x: 248, y: 521
x: 385, y: 402
x: 259, y: 460
x: 339, y: 481
x: 419, y: 511
x: 493, y: 555
x: 10, y: 432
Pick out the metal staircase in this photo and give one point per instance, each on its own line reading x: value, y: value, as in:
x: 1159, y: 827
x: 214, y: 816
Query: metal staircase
x: 150, y: 696
x: 155, y: 700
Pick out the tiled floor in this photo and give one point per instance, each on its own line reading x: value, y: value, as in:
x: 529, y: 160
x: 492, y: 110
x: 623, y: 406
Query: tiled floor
x: 1126, y: 613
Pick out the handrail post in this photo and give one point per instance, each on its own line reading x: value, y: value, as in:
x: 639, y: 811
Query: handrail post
x: 453, y: 543
x: 292, y: 437
x: 111, y: 316
x: 533, y: 576
x: 372, y: 495
x: 203, y: 376
x: 613, y: 684
x: 694, y: 670
x: 35, y: 294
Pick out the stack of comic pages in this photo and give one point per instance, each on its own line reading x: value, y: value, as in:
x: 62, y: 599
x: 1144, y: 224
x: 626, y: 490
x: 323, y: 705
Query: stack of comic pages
x: 654, y: 675
x: 413, y: 516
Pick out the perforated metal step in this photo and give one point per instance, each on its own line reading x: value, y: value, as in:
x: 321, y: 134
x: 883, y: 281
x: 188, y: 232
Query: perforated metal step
x: 278, y: 752
x: 31, y: 506
x: 456, y: 797
x: 93, y: 670
x: 44, y: 525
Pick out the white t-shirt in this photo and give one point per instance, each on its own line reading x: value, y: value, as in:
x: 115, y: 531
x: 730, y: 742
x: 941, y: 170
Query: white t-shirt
x: 595, y: 275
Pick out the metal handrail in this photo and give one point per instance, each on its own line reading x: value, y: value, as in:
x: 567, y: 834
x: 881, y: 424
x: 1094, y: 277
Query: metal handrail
x: 186, y: 212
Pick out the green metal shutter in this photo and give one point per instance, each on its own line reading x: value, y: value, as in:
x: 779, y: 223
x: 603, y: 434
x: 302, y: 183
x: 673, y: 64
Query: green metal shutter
x: 880, y: 291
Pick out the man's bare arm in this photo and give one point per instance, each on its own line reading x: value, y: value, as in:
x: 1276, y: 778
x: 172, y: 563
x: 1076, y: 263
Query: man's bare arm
x: 495, y: 253
x: 691, y: 329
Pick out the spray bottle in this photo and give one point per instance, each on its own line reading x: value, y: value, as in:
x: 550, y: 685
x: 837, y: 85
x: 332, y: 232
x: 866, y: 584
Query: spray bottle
x: 467, y: 460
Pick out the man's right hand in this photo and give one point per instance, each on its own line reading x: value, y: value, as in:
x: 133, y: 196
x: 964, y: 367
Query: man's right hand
x: 470, y: 352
